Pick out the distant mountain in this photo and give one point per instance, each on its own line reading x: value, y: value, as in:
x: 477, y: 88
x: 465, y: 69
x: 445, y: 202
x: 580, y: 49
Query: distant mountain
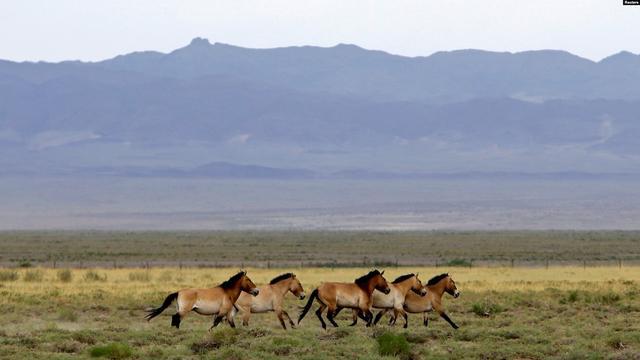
x: 353, y: 71
x: 208, y: 106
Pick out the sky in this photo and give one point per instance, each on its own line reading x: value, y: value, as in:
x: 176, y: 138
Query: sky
x: 93, y: 30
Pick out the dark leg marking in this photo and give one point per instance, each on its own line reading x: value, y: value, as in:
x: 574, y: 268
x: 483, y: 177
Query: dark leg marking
x: 330, y: 315
x: 319, y: 315
x: 378, y: 317
x: 446, y: 317
x: 175, y: 320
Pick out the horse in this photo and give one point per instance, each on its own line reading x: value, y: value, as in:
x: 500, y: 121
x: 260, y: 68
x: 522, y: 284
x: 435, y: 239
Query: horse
x: 400, y: 288
x: 356, y: 295
x: 436, y: 287
x: 270, y: 298
x: 217, y: 301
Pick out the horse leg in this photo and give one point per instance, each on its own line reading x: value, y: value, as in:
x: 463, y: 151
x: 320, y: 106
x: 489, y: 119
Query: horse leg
x: 354, y: 315
x: 406, y: 318
x: 217, y: 320
x: 281, y: 318
x: 293, y: 325
x: 175, y: 320
x: 425, y: 319
x: 245, y: 315
x: 330, y: 314
x: 319, y: 315
x: 230, y: 320
x: 369, y: 316
x: 446, y: 317
x: 379, y: 316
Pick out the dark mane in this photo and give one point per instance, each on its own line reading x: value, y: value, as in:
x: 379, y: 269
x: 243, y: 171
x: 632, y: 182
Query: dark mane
x: 434, y: 280
x: 365, y: 278
x: 281, y: 277
x: 232, y: 280
x: 402, y: 278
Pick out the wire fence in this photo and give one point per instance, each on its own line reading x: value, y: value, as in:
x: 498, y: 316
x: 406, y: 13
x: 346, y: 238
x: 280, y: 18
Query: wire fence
x: 365, y: 262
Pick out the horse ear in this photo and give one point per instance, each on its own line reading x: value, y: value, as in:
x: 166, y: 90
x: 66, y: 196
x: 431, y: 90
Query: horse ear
x: 417, y: 274
x: 382, y: 273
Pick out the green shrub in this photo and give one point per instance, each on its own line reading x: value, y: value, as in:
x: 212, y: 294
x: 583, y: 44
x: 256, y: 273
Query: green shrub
x: 390, y: 344
x: 64, y: 275
x: 94, y: 276
x: 232, y: 353
x: 24, y: 263
x: 112, y: 351
x: 486, y: 308
x: 33, y: 276
x: 572, y: 297
x: 615, y: 342
x: 140, y: 276
x: 609, y: 298
x: 8, y: 275
x: 459, y: 263
x: 221, y: 337
x: 67, y: 315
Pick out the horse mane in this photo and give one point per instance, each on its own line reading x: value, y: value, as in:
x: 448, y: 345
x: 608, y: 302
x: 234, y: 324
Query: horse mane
x: 402, y: 278
x: 365, y: 278
x: 281, y: 277
x: 233, y: 280
x: 434, y: 280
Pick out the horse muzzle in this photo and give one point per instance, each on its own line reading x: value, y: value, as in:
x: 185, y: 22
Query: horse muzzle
x: 423, y: 292
x: 254, y: 292
x: 386, y: 291
x: 302, y: 296
x: 456, y: 294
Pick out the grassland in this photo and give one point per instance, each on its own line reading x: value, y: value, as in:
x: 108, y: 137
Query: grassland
x: 317, y: 248
x: 503, y: 313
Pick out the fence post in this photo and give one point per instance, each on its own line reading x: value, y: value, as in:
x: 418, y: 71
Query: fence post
x: 512, y: 263
x: 620, y: 263
x: 584, y: 264
x: 546, y: 265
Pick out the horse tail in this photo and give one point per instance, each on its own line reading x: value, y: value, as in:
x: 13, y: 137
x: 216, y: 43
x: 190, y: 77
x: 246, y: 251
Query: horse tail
x: 155, y: 312
x: 305, y: 310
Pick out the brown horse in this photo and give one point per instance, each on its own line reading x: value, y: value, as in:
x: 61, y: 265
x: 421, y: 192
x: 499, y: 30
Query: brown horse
x: 356, y: 295
x: 436, y: 287
x: 217, y: 301
x: 270, y: 298
x: 400, y: 288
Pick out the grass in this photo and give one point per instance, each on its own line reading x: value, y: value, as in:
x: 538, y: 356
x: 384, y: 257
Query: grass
x: 503, y: 313
x: 8, y: 275
x: 112, y: 351
x: 64, y: 275
x: 390, y: 344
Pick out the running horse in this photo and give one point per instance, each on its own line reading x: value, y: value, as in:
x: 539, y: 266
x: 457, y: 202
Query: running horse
x: 270, y: 298
x: 217, y: 301
x: 400, y: 289
x: 436, y: 287
x: 355, y: 295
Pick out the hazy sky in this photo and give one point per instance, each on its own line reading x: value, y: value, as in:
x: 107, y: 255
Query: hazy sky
x: 92, y: 30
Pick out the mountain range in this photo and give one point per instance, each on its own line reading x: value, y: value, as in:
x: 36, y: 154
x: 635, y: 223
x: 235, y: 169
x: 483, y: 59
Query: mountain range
x: 224, y: 111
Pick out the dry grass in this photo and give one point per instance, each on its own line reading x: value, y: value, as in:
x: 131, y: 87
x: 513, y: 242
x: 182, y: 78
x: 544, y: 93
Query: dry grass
x: 503, y: 313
